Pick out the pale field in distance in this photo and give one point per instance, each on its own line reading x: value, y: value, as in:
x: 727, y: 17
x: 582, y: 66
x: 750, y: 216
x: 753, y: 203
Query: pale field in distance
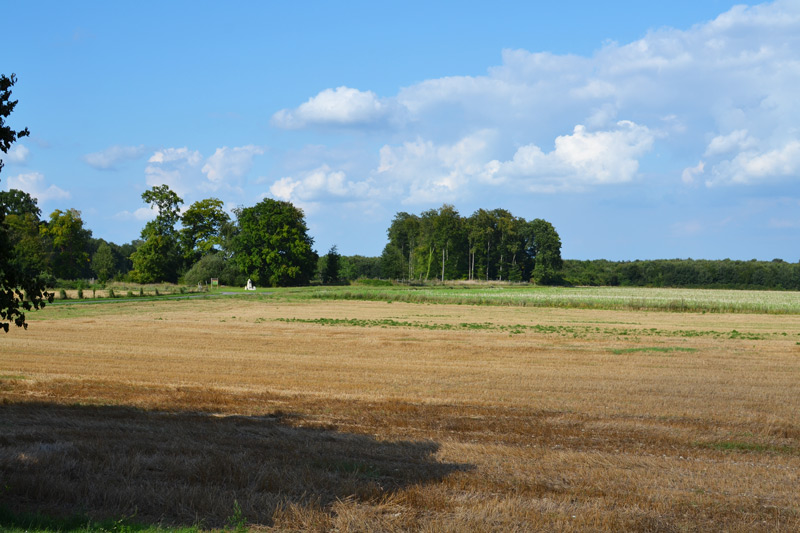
x: 358, y: 415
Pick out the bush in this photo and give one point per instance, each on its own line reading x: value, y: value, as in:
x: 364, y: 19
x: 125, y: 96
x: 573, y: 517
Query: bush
x: 80, y: 294
x: 111, y: 293
x: 62, y: 294
x: 214, y: 266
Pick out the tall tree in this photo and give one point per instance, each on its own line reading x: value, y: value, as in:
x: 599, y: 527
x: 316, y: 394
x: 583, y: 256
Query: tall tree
x: 201, y: 234
x: 69, y: 241
x: 404, y: 235
x: 18, y: 202
x: 272, y: 245
x: 546, y: 250
x: 159, y: 258
x: 103, y: 262
x: 21, y: 290
x: 27, y: 251
x: 330, y: 270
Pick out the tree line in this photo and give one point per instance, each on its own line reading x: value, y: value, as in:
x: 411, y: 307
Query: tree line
x: 487, y: 245
x: 689, y: 273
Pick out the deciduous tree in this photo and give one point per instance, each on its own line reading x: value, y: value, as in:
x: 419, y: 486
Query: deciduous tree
x: 273, y: 246
x: 69, y: 241
x: 21, y: 290
x: 159, y: 258
x: 201, y: 234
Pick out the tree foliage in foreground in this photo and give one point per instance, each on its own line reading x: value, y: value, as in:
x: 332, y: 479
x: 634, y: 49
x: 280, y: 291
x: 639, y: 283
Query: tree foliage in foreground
x: 20, y: 289
x: 272, y: 246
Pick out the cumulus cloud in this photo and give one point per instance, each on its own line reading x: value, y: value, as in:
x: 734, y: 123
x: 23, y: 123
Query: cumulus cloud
x: 322, y: 183
x: 583, y: 158
x: 342, y: 106
x: 113, y: 156
x: 717, y: 100
x: 754, y: 166
x: 421, y: 171
x: 179, y: 168
x: 18, y: 154
x: 227, y: 163
x: 34, y: 184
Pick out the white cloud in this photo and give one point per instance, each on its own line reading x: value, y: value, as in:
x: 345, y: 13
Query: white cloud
x: 321, y: 183
x: 18, y: 154
x: 227, y: 163
x: 583, y: 158
x: 757, y: 166
x: 143, y: 214
x: 688, y: 175
x: 113, y: 156
x: 179, y: 168
x: 169, y: 155
x: 342, y: 106
x: 732, y: 80
x: 33, y: 183
x: 734, y: 141
x: 423, y: 172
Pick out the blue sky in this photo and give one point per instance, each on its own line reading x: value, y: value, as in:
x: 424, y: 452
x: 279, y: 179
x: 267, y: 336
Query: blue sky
x: 640, y: 131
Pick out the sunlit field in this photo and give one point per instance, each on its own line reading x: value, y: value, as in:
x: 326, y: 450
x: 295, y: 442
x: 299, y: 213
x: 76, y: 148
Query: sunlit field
x: 390, y: 409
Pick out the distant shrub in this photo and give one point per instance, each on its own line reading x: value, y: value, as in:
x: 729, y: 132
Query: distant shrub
x: 80, y: 294
x: 111, y: 293
x: 130, y: 294
x: 214, y: 266
x: 62, y: 294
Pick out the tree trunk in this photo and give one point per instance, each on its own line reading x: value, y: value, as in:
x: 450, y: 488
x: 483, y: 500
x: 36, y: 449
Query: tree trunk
x: 442, y: 265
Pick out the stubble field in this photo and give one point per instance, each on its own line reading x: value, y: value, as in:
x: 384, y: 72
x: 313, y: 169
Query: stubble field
x: 306, y: 414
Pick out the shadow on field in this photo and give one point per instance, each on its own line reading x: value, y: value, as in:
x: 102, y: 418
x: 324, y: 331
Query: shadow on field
x: 190, y: 468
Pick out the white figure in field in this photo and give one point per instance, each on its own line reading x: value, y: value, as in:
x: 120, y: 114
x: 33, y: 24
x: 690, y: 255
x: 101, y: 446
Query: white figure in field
x: 250, y: 286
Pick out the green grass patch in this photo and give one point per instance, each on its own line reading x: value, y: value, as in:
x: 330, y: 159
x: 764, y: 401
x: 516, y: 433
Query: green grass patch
x: 11, y: 522
x: 516, y: 329
x: 12, y: 377
x: 651, y: 349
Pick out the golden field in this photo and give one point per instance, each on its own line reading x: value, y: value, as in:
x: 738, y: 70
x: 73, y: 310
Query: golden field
x: 360, y: 416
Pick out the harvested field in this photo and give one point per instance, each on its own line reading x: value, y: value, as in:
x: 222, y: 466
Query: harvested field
x: 361, y: 415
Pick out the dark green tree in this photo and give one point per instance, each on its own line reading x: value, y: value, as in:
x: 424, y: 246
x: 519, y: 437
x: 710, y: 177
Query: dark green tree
x: 21, y: 290
x: 18, y: 202
x: 393, y: 264
x: 546, y: 250
x: 330, y: 271
x: 404, y: 235
x: 159, y: 258
x: 272, y: 245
